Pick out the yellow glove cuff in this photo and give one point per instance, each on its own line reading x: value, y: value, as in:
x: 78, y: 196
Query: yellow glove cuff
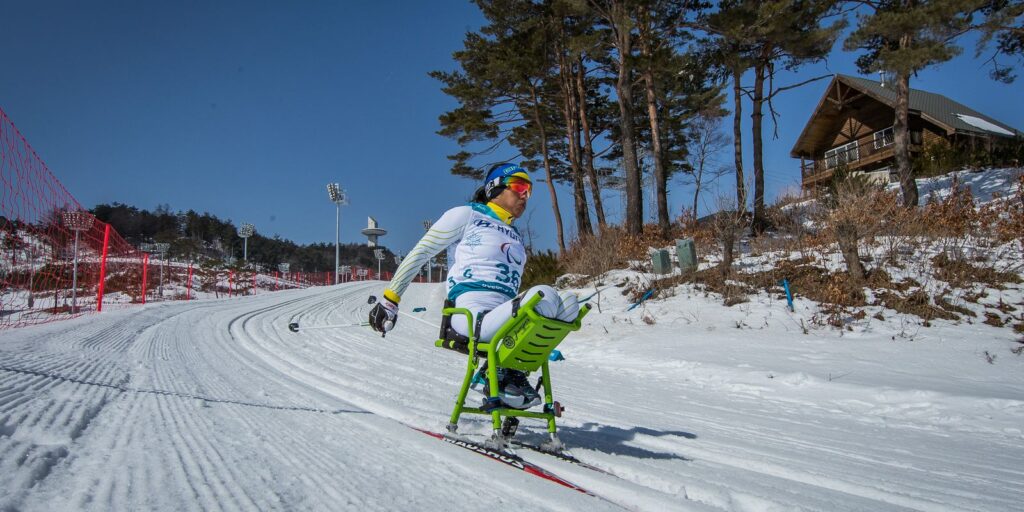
x: 390, y: 295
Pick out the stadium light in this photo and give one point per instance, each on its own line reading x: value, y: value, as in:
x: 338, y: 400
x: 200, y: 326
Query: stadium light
x: 379, y: 254
x: 245, y: 231
x: 339, y: 198
x: 76, y: 221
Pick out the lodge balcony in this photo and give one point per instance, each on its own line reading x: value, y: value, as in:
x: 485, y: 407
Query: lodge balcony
x: 861, y: 154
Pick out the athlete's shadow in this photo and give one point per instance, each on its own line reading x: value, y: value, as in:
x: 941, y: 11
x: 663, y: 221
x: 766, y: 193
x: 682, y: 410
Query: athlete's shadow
x: 616, y: 441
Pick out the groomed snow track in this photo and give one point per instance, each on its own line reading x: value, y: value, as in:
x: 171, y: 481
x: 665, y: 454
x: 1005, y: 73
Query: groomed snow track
x: 216, y: 405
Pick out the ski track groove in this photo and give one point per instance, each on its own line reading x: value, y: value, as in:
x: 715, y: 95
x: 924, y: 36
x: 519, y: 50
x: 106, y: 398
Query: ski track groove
x: 217, y: 386
x: 762, y: 444
x: 80, y: 381
x: 265, y: 354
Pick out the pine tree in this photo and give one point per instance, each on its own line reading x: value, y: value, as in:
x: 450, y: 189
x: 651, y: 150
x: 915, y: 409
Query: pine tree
x: 660, y: 65
x: 502, y: 90
x: 1004, y: 23
x: 760, y: 35
x: 728, y: 50
x: 904, y: 37
x: 616, y: 17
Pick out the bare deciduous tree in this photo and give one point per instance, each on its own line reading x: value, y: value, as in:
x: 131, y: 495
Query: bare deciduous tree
x: 706, y: 141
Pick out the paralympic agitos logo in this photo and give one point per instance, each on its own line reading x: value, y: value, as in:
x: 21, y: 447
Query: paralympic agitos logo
x: 506, y: 248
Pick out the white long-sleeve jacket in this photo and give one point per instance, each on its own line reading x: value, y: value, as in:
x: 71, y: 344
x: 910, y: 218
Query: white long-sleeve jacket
x: 485, y: 252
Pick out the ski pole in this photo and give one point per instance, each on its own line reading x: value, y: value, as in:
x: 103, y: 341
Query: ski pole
x: 403, y: 313
x: 598, y: 292
x: 294, y: 326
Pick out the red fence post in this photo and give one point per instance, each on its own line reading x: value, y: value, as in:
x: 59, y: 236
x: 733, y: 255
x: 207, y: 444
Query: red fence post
x: 275, y: 280
x: 103, y: 268
x: 188, y: 286
x: 145, y: 275
x: 231, y: 283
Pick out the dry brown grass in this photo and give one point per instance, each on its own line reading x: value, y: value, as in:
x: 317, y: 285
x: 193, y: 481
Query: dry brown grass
x: 962, y: 274
x: 916, y: 303
x: 614, y: 249
x: 1009, y: 215
x: 993, y: 319
x: 858, y: 218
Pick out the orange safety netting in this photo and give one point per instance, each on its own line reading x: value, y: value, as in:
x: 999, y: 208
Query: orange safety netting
x: 45, y: 274
x: 58, y: 261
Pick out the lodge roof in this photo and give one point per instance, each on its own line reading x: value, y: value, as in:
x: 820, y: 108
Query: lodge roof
x: 951, y: 115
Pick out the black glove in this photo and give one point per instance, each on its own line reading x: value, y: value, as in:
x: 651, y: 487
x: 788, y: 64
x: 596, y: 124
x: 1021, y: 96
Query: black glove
x: 383, y: 316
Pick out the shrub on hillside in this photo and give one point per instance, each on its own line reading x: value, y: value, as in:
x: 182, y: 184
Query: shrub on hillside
x: 596, y: 254
x: 541, y: 268
x: 856, y: 210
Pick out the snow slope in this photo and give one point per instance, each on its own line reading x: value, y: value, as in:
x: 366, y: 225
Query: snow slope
x: 214, y: 404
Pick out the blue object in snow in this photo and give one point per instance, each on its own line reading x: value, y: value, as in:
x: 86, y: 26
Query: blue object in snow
x: 789, y: 296
x: 646, y: 296
x: 417, y: 310
x: 556, y: 355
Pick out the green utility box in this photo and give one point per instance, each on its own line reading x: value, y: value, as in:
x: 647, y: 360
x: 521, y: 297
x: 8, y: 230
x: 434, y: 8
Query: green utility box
x: 661, y: 262
x: 687, y: 254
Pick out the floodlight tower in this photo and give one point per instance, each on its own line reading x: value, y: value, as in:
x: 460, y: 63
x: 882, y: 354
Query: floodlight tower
x: 245, y: 231
x: 339, y: 198
x: 77, y: 221
x: 379, y: 254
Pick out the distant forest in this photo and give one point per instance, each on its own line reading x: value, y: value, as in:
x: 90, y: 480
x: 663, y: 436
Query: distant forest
x: 198, y: 237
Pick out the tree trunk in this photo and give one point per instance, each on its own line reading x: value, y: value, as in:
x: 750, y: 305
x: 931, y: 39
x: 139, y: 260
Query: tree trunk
x: 737, y: 138
x: 847, y: 237
x: 660, y: 175
x: 588, y: 148
x: 727, y: 237
x: 567, y: 83
x: 901, y: 138
x: 697, y: 176
x: 756, y: 118
x: 547, y: 170
x: 624, y: 90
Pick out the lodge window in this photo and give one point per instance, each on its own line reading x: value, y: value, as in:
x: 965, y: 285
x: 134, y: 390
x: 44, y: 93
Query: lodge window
x: 884, y: 138
x: 842, y: 155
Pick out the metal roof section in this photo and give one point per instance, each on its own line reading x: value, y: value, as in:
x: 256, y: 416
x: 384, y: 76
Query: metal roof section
x: 984, y: 125
x: 953, y: 116
x: 936, y: 106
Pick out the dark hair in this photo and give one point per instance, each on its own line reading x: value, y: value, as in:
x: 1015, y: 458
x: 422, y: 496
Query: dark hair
x: 479, y: 196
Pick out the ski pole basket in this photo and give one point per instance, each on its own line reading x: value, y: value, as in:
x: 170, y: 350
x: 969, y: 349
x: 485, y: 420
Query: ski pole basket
x: 523, y: 343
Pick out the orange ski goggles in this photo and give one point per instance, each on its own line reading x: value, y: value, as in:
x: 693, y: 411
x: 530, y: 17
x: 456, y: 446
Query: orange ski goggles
x: 520, y: 186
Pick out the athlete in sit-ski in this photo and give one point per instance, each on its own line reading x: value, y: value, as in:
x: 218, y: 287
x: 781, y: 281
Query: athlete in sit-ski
x: 486, y: 259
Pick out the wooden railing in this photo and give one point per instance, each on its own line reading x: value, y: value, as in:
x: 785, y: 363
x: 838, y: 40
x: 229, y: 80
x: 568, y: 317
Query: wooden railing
x: 868, y: 149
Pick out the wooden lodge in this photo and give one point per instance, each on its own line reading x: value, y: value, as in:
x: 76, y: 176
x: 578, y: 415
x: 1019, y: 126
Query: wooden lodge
x: 852, y: 127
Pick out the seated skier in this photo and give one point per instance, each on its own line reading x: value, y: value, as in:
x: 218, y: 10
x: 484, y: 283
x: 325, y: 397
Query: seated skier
x: 486, y: 260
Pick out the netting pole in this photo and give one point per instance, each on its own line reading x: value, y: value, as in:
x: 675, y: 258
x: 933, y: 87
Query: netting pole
x: 231, y: 283
x: 254, y: 283
x: 103, y: 268
x: 275, y: 280
x: 188, y: 285
x: 145, y: 274
x: 74, y: 278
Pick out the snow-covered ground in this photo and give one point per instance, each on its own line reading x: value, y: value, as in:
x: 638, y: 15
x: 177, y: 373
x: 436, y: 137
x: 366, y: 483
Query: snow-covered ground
x: 214, y: 404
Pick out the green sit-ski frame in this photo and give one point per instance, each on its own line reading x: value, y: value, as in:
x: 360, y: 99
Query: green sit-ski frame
x: 523, y: 343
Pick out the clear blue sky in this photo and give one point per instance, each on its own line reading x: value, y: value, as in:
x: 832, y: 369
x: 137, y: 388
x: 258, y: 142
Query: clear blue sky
x: 247, y: 109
